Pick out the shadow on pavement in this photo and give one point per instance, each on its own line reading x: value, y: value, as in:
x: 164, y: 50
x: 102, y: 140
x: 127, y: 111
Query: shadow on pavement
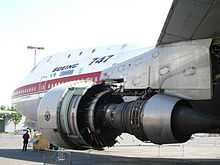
x: 77, y: 158
x: 18, y: 154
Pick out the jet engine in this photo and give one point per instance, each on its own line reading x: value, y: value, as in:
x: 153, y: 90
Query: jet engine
x: 72, y: 116
x: 84, y: 115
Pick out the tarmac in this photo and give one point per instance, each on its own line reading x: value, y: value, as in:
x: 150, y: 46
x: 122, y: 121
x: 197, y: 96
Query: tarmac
x: 199, y: 151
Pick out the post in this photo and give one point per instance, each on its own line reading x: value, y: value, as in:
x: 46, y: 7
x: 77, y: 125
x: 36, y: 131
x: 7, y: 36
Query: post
x: 35, y: 52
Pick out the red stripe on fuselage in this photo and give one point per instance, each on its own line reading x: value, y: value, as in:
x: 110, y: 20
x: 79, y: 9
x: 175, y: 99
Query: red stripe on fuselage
x: 46, y: 85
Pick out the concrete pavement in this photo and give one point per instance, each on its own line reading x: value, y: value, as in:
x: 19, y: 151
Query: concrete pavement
x: 11, y: 154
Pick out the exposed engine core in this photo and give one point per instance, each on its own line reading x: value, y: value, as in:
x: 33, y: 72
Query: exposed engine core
x: 85, y: 115
x: 162, y: 119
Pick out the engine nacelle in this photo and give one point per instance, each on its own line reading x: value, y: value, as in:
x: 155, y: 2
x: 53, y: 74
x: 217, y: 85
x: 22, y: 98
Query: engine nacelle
x: 66, y: 116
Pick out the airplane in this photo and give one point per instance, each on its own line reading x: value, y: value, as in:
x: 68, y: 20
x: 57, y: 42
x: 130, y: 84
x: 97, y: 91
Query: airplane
x: 86, y: 98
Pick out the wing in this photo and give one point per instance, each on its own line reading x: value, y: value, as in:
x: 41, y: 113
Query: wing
x: 191, y: 19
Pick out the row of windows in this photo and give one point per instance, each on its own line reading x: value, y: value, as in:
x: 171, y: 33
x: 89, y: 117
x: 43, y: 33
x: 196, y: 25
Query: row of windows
x: 40, y: 87
x: 81, y: 52
x: 51, y: 85
x: 26, y: 90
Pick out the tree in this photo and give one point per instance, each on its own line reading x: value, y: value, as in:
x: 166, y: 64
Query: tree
x: 15, y: 116
x: 3, y: 115
x: 11, y: 114
x: 2, y: 107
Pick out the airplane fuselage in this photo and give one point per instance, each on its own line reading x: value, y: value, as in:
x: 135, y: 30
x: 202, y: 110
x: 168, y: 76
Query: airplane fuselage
x: 81, y: 64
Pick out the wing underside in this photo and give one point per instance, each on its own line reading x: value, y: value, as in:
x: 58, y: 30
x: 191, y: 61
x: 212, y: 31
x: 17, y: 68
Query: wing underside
x: 191, y: 19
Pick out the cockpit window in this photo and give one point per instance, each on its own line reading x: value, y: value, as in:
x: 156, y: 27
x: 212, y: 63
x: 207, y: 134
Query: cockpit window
x: 49, y: 58
x: 80, y: 53
x: 93, y: 50
x: 34, y: 67
x: 69, y: 55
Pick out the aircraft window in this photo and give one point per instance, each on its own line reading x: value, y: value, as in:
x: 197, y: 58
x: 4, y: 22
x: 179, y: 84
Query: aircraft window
x: 69, y: 55
x: 123, y: 46
x: 80, y: 53
x: 49, y: 58
x: 93, y: 50
x: 34, y: 68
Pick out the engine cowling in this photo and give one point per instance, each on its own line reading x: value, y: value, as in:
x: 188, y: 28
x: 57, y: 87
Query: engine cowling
x: 66, y: 116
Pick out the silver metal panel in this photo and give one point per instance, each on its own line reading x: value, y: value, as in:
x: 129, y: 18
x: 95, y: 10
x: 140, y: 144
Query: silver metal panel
x: 121, y: 70
x: 68, y: 113
x: 64, y: 111
x: 48, y: 106
x: 57, y: 113
x: 73, y: 115
x: 178, y: 69
x: 186, y: 67
x: 157, y: 119
x: 138, y: 81
x: 190, y: 20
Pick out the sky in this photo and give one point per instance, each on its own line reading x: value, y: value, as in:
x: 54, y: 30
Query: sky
x: 59, y: 25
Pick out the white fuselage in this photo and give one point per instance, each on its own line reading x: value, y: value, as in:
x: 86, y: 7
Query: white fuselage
x: 81, y: 64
